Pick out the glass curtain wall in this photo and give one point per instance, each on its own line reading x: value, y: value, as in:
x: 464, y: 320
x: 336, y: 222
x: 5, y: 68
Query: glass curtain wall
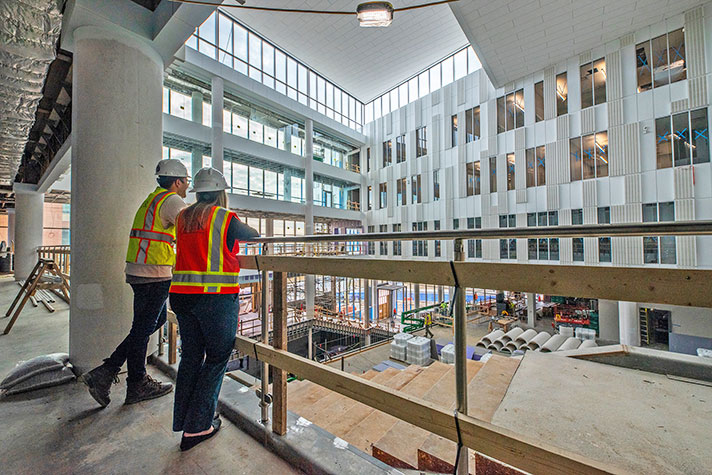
x: 224, y: 39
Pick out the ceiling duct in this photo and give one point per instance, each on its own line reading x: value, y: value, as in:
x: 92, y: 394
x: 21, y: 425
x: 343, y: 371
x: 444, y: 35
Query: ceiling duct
x: 28, y: 37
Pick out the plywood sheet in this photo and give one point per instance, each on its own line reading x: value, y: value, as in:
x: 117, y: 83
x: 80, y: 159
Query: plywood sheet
x: 356, y: 414
x: 302, y: 394
x: 401, y: 443
x: 330, y: 407
x: 376, y: 424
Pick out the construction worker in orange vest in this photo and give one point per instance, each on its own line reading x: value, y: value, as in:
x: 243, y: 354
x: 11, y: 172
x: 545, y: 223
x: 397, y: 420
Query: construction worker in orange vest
x: 149, y: 269
x: 205, y: 297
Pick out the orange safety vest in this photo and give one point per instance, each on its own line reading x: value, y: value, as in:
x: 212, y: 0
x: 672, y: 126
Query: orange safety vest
x: 204, y: 264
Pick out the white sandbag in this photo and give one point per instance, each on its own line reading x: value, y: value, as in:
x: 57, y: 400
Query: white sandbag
x: 30, y: 368
x: 42, y: 380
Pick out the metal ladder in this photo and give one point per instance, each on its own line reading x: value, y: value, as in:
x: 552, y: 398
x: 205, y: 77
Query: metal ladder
x: 644, y: 326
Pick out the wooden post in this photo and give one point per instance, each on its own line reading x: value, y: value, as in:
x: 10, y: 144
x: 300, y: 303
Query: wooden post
x: 172, y: 343
x: 279, y: 339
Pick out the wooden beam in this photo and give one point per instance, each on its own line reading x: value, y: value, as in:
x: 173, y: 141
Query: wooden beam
x: 504, y: 445
x: 279, y: 376
x: 684, y: 287
x: 172, y: 341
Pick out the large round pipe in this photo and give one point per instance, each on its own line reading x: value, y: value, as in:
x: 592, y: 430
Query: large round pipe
x: 553, y: 343
x: 489, y: 338
x: 588, y: 344
x: 511, y: 335
x: 537, y: 342
x: 496, y: 345
x: 571, y: 343
x: 525, y: 338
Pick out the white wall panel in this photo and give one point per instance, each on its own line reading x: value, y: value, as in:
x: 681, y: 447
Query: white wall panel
x: 684, y: 182
x: 566, y: 251
x: 614, y: 76
x: 552, y: 197
x: 695, y: 43
x: 549, y: 93
x: 615, y: 113
x: 590, y: 194
x: 588, y: 122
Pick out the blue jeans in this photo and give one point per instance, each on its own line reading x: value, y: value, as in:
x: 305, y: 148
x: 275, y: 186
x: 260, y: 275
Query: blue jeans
x: 149, y: 307
x: 207, y: 325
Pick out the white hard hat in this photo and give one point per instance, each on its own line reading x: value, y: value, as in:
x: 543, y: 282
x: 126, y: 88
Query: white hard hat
x: 209, y: 179
x: 171, y: 167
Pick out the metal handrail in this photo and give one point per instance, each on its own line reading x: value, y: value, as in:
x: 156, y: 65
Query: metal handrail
x: 680, y: 228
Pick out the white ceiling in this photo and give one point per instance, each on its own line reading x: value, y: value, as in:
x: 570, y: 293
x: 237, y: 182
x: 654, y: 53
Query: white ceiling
x: 363, y: 61
x: 514, y: 38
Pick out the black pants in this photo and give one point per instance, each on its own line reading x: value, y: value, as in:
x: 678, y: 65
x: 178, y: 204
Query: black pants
x: 149, y: 307
x: 207, y: 326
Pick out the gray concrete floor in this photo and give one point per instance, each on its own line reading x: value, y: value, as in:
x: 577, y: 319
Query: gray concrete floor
x: 61, y: 430
x: 638, y: 421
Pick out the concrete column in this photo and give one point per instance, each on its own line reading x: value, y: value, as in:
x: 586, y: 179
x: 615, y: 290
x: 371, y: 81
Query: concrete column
x: 217, y: 124
x: 310, y: 344
x: 196, y: 160
x: 29, y: 206
x: 117, y: 139
x: 10, y: 227
x: 309, y: 285
x: 629, y: 325
x: 196, y: 106
x: 531, y: 310
x: 416, y: 291
x: 608, y: 324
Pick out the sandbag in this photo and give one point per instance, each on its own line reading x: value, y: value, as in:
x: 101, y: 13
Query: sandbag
x: 42, y: 380
x: 27, y: 369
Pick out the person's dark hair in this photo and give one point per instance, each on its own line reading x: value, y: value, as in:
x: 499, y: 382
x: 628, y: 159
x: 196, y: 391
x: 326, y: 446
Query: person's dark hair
x: 192, y: 217
x: 166, y: 181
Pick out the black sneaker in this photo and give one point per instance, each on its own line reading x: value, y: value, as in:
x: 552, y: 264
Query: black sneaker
x: 147, y: 388
x: 99, y: 382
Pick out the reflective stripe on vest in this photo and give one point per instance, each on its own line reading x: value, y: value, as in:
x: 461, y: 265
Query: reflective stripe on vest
x: 151, y: 235
x: 217, y: 229
x: 206, y: 279
x: 147, y: 226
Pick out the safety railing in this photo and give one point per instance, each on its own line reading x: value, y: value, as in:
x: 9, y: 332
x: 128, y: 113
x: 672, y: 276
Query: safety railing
x: 61, y: 256
x: 675, y: 286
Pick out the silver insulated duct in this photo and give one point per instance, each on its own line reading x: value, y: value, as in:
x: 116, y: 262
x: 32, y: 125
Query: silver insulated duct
x: 28, y: 36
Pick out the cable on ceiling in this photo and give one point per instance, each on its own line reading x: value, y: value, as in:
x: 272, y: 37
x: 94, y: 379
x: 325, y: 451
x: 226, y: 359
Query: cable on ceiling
x: 296, y: 10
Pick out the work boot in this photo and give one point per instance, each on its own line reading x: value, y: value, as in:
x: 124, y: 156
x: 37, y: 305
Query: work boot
x: 147, y: 388
x: 99, y: 382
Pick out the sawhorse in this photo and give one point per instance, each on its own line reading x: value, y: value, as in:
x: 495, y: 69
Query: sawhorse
x: 34, y: 283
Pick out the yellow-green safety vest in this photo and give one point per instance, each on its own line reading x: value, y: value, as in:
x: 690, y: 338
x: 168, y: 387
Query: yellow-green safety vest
x: 149, y: 241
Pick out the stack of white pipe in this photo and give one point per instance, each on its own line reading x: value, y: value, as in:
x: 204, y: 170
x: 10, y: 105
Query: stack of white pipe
x: 489, y: 338
x: 537, y: 342
x: 553, y: 344
x: 519, y: 342
x: 571, y: 343
x: 502, y: 341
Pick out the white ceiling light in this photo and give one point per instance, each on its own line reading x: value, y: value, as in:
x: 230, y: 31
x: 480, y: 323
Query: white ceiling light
x: 375, y: 14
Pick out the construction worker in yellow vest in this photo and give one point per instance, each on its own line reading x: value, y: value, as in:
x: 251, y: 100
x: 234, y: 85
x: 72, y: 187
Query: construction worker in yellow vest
x: 149, y: 269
